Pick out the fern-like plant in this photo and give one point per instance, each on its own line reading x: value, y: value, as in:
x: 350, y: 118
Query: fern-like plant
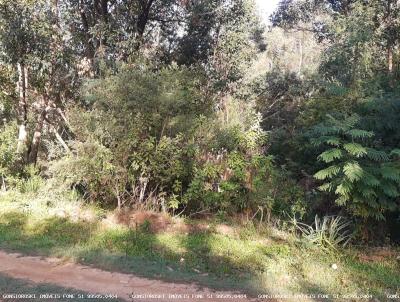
x: 366, y: 180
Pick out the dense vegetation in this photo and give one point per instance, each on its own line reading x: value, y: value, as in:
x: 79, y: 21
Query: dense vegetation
x: 189, y: 140
x: 197, y: 108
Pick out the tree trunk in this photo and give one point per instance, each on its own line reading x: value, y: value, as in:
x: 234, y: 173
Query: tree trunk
x: 143, y: 19
x: 3, y: 184
x: 88, y: 39
x: 301, y: 54
x: 61, y: 141
x: 55, y: 11
x: 301, y: 57
x: 22, y: 107
x: 224, y: 107
x: 34, y: 148
x: 390, y: 59
x: 37, y: 135
x: 390, y: 42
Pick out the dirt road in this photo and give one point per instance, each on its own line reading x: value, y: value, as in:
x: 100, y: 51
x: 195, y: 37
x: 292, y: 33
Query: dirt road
x: 91, y: 280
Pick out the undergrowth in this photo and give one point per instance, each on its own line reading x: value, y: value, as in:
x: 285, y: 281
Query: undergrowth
x: 254, y: 258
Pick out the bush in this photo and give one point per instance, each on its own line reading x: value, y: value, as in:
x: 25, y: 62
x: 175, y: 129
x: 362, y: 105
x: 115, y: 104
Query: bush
x: 364, y: 179
x: 238, y: 184
x: 90, y: 170
x: 173, y: 152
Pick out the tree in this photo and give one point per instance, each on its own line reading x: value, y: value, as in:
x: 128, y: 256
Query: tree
x: 23, y: 40
x: 34, y: 48
x: 113, y: 30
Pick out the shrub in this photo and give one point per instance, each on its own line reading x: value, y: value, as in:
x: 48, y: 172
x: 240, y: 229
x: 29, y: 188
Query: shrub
x: 364, y: 178
x: 237, y: 184
x: 150, y: 137
x: 89, y: 169
x: 133, y: 144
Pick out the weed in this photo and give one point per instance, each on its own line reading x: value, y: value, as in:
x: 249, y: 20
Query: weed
x: 328, y: 233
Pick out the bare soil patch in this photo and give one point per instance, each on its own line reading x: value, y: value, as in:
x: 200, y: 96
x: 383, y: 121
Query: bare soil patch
x: 92, y: 280
x: 378, y: 255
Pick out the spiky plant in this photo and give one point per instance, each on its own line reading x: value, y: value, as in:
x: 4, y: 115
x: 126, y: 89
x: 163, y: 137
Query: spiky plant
x: 329, y: 233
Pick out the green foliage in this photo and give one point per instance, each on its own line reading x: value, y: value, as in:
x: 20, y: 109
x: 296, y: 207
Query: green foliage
x: 236, y: 45
x: 6, y: 100
x: 365, y: 179
x: 9, y: 159
x: 246, y: 184
x: 90, y: 170
x: 31, y: 182
x: 26, y: 37
x: 172, y: 151
x: 145, y: 227
x: 182, y: 106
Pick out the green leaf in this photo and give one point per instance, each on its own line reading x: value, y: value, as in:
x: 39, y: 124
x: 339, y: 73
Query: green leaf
x: 327, y: 173
x: 342, y: 200
x: 370, y: 180
x: 333, y: 141
x: 377, y: 155
x: 355, y: 149
x: 330, y: 155
x: 330, y: 140
x: 344, y: 189
x: 358, y: 133
x: 353, y: 171
x: 368, y: 193
x: 390, y: 172
x: 352, y: 120
x: 327, y: 187
x: 390, y: 190
x: 326, y: 131
x: 395, y: 152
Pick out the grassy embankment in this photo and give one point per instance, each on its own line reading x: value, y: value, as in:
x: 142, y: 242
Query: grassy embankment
x: 253, y: 260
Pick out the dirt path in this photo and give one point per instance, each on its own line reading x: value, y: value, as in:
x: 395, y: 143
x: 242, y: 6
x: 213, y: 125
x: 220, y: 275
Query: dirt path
x: 96, y: 281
